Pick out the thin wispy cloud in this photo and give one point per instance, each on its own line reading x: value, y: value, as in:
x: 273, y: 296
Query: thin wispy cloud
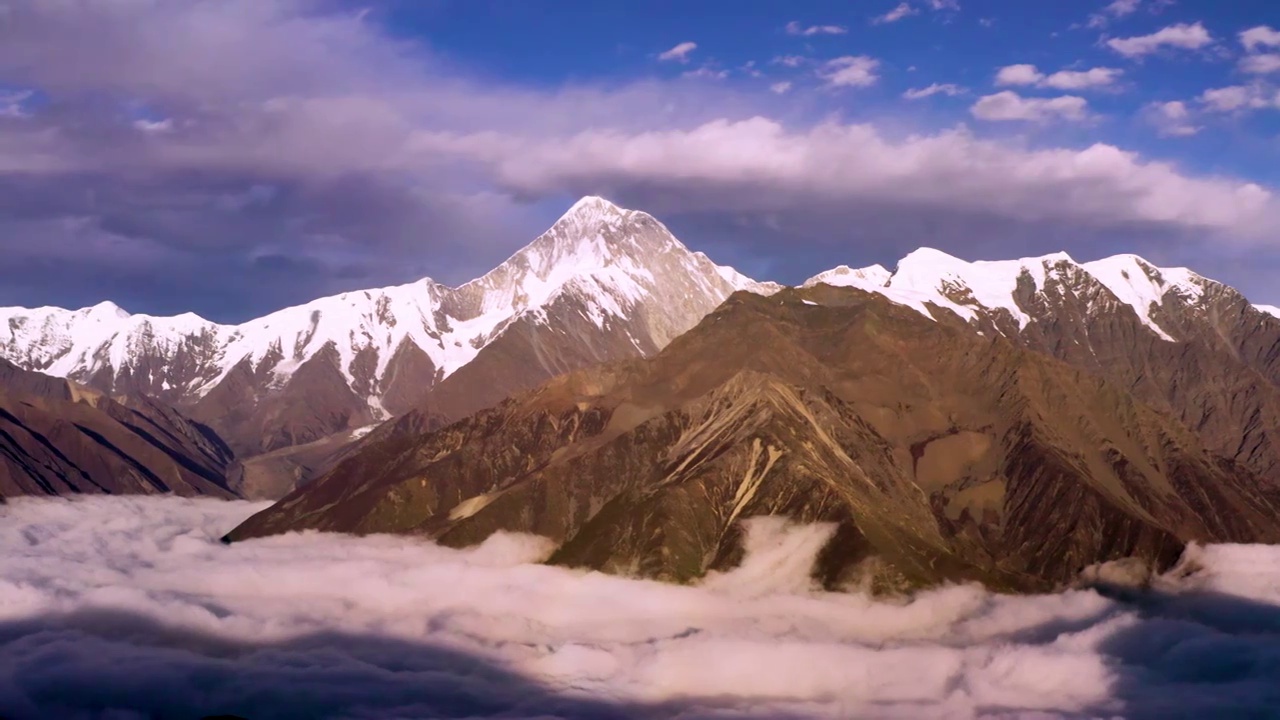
x: 791, y: 61
x: 903, y: 10
x: 795, y: 28
x: 947, y: 89
x: 1114, y: 10
x: 679, y: 53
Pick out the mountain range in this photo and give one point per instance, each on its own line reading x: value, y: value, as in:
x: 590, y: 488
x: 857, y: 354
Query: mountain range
x: 967, y: 393
x: 937, y: 453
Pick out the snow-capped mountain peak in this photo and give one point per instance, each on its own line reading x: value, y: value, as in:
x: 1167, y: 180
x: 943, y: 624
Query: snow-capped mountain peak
x: 867, y: 278
x: 927, y: 277
x: 602, y: 260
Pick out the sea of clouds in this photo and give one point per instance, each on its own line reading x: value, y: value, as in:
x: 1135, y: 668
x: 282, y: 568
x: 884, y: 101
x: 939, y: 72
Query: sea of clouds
x: 127, y: 608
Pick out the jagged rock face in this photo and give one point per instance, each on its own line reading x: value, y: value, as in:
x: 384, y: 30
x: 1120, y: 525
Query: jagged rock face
x: 1184, y: 344
x: 939, y: 453
x: 59, y: 438
x: 602, y: 284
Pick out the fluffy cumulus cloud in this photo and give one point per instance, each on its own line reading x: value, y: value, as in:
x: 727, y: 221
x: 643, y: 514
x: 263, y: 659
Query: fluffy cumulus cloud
x: 1182, y: 36
x: 1240, y: 98
x: 1009, y: 105
x: 1030, y: 75
x: 129, y: 607
x: 1171, y: 119
x: 1262, y: 36
x: 1257, y: 41
x: 709, y: 167
x: 850, y: 71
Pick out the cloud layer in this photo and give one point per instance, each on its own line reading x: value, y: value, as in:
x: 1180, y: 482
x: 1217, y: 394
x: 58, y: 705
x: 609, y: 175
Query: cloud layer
x: 235, y: 156
x: 131, y: 605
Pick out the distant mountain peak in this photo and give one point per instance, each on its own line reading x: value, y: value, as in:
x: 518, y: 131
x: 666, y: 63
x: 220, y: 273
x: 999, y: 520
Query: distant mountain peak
x: 106, y: 310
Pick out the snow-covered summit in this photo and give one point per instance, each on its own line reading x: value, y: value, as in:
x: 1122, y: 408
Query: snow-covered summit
x: 867, y: 278
x: 929, y: 277
x: 607, y: 259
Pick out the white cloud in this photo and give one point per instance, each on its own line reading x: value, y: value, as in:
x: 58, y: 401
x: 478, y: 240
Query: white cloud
x: 758, y: 164
x: 1240, y: 97
x: 706, y: 73
x: 795, y: 28
x: 850, y: 71
x: 901, y: 11
x: 129, y: 607
x: 1182, y: 36
x: 1009, y: 105
x: 1018, y: 75
x: 1260, y: 63
x: 944, y: 5
x: 1082, y: 79
x: 781, y: 88
x: 11, y: 103
x: 153, y: 126
x: 1117, y: 9
x: 1261, y: 36
x: 679, y: 53
x: 1171, y: 119
x: 948, y: 89
x: 791, y: 61
x: 1029, y: 75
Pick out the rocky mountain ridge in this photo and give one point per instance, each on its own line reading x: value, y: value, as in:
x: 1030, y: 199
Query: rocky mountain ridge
x: 939, y: 454
x: 60, y: 438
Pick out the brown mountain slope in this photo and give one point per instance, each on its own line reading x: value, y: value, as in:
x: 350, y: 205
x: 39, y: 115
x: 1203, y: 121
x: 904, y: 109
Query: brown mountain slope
x: 58, y: 438
x: 940, y: 453
x: 1219, y: 373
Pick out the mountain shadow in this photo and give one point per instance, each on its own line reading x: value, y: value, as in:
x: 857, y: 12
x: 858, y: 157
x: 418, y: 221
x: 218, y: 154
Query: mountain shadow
x: 92, y: 664
x: 1200, y: 654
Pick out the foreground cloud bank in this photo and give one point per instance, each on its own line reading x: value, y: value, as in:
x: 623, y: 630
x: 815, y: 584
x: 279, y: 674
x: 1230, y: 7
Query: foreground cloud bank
x: 129, y: 607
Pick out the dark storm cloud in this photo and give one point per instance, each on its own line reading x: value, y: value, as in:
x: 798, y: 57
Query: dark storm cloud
x: 178, y: 142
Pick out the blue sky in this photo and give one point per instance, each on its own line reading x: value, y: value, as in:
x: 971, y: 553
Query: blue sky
x: 232, y: 157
